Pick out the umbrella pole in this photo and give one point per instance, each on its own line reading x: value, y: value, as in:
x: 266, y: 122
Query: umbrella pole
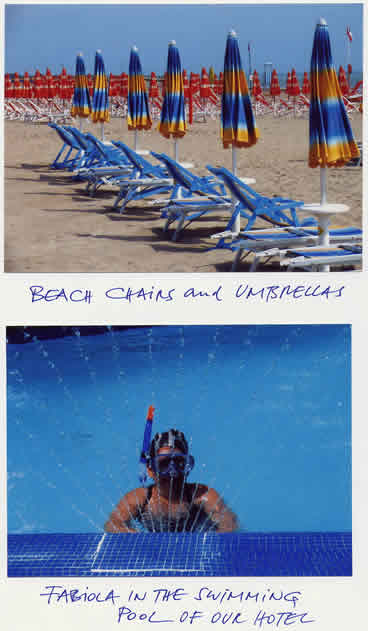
x: 237, y: 220
x: 324, y: 221
x: 136, y: 140
x: 176, y: 151
x: 102, y: 133
x: 323, y: 180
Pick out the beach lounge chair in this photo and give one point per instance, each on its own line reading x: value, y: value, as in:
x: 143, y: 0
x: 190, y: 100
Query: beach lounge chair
x: 145, y: 180
x: 198, y: 196
x: 268, y: 244
x: 311, y: 259
x: 70, y: 151
x: 278, y: 211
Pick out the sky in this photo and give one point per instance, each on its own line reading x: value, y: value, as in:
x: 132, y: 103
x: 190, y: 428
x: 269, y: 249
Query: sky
x: 51, y: 35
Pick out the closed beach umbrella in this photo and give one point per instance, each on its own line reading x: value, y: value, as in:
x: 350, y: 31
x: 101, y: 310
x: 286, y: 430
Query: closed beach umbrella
x: 204, y: 89
x: 8, y: 87
x: 27, y: 89
x: 100, y: 104
x: 343, y: 82
x: 81, y: 104
x: 256, y: 87
x: 295, y: 87
x: 63, y: 85
x: 275, y: 89
x: 306, y: 84
x: 172, y: 123
x: 288, y: 84
x: 37, y: 83
x: 238, y: 125
x: 124, y: 80
x: 185, y: 84
x: 138, y: 117
x: 154, y: 92
x: 18, y: 90
x: 331, y: 138
x: 331, y: 141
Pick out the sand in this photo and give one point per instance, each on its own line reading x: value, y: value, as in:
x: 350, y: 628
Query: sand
x: 52, y: 225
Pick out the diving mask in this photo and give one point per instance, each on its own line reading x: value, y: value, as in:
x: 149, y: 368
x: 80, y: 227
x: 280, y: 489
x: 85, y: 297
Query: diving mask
x: 172, y: 464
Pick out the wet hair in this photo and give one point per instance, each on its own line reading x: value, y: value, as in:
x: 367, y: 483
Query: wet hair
x: 173, y: 438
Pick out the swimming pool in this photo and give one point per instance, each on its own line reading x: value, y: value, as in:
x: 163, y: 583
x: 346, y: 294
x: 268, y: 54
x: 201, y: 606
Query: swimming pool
x: 266, y: 410
x: 267, y: 413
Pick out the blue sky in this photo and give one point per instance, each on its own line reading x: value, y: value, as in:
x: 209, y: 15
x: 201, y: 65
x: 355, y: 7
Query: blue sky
x: 37, y: 36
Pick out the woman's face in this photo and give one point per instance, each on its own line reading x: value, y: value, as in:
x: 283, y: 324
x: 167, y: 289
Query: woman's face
x: 169, y: 463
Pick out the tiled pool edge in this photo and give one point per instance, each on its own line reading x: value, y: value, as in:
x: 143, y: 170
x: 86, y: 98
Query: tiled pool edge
x: 182, y: 554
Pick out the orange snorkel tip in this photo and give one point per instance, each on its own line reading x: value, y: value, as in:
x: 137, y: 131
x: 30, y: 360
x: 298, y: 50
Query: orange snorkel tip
x: 150, y: 413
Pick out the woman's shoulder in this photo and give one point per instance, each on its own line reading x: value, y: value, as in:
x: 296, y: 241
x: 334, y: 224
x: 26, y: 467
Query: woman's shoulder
x: 196, y: 490
x: 137, y: 496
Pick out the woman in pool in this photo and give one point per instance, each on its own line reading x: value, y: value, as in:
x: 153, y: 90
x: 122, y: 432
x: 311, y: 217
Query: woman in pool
x: 171, y: 504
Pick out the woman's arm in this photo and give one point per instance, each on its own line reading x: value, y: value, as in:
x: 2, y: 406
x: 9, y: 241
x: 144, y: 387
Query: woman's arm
x: 219, y: 513
x: 126, y: 511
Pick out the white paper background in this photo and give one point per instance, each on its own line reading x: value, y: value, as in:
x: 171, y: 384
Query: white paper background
x: 336, y: 604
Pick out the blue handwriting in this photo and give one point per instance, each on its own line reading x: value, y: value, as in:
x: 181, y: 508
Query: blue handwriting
x: 58, y: 593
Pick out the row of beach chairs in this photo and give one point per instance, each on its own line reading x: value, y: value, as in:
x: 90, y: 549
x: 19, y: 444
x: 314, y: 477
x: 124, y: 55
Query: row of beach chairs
x: 184, y: 197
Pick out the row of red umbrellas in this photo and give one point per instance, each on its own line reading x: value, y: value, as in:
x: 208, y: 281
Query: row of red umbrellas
x: 62, y: 86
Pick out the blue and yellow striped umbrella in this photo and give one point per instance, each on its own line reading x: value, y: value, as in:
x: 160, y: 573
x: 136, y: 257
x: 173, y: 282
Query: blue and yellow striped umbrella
x: 238, y: 125
x: 138, y: 106
x: 100, y: 104
x: 172, y: 121
x: 331, y: 140
x: 81, y: 104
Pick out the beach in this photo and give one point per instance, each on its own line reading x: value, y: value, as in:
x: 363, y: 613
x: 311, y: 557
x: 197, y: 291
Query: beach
x: 53, y: 226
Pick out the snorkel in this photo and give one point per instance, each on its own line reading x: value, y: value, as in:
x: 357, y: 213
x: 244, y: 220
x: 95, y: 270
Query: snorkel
x: 146, y: 446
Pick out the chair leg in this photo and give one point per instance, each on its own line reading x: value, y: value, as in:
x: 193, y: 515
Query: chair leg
x: 236, y: 260
x: 178, y: 228
x: 253, y: 267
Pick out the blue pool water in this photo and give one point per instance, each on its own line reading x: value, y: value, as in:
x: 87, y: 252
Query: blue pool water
x: 266, y: 410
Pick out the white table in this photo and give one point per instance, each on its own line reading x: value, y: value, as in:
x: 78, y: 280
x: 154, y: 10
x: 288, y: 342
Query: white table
x: 324, y: 213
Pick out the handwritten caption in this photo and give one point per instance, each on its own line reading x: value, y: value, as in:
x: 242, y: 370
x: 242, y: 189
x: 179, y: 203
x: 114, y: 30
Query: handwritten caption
x: 242, y: 292
x: 256, y: 609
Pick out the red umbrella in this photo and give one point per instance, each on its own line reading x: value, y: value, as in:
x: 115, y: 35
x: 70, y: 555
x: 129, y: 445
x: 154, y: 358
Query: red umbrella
x: 27, y: 88
x: 275, y: 89
x: 90, y: 83
x: 306, y: 84
x: 9, y: 88
x: 51, y: 87
x: 219, y: 84
x: 124, y: 80
x: 186, y: 84
x: 344, y: 86
x: 63, y: 85
x: 204, y: 89
x: 153, y: 91
x: 112, y: 86
x: 164, y: 84
x: 350, y: 70
x: 288, y: 84
x: 256, y: 87
x: 295, y: 87
x: 18, y: 89
x: 36, y: 88
x: 71, y: 84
